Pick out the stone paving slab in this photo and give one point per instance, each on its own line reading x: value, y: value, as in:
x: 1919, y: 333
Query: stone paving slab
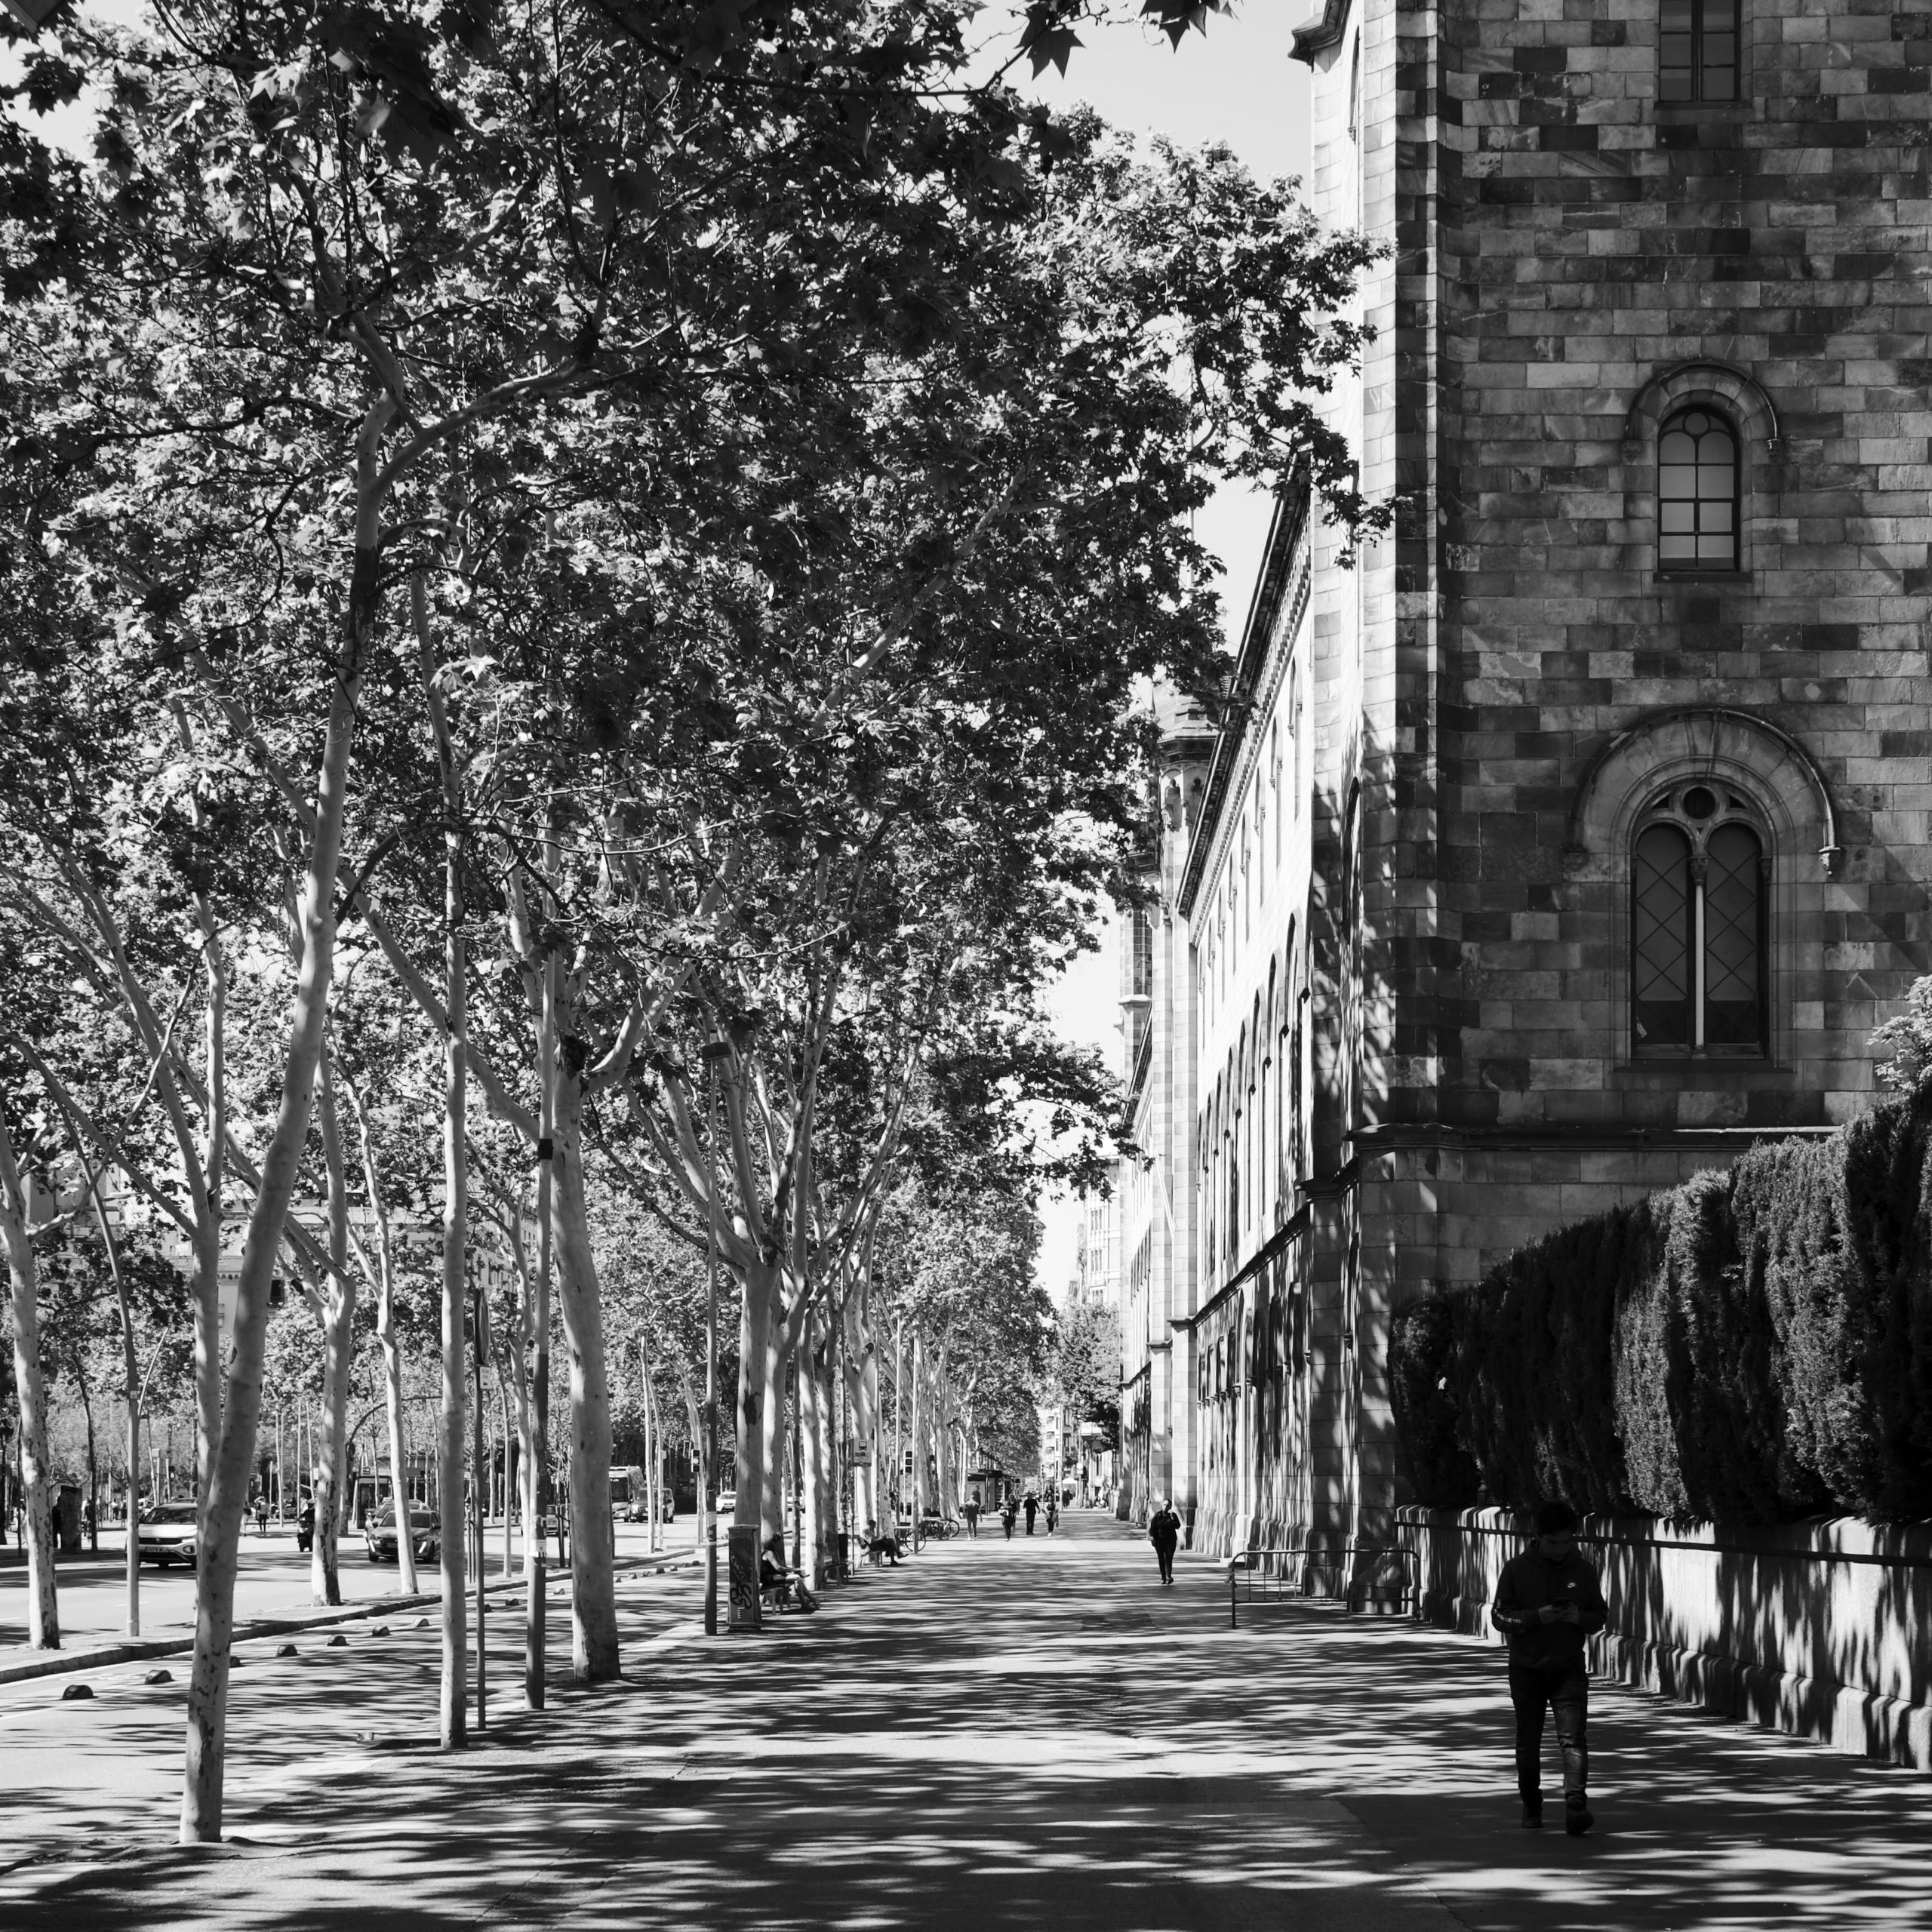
x: 1022, y: 1735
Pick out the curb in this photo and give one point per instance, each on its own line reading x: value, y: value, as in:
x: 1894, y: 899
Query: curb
x: 137, y: 1650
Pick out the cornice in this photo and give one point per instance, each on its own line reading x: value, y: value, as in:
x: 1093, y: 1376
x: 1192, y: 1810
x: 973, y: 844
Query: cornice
x: 1318, y: 35
x: 1296, y: 1223
x: 1257, y: 676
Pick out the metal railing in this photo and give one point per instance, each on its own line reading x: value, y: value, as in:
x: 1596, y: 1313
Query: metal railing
x: 1320, y: 1573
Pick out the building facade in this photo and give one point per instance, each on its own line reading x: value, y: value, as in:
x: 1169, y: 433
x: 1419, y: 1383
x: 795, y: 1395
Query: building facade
x: 1579, y: 832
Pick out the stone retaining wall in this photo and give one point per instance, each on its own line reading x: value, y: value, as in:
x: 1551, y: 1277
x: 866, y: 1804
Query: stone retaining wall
x: 1822, y: 1629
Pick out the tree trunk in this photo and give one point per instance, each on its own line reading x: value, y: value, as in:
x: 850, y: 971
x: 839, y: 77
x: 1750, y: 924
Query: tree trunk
x: 823, y: 1465
x: 337, y: 1291
x: 649, y: 1456
x: 509, y: 1472
x: 757, y: 1318
x: 807, y: 1434
x: 385, y: 1288
x: 450, y: 1499
x: 898, y: 1415
x: 43, y: 1607
x: 534, y: 1626
x: 771, y: 1416
x: 913, y: 1434
x: 942, y: 1456
x: 132, y: 1368
x: 221, y: 1521
x: 593, y: 1590
x: 453, y: 1537
x: 206, y: 1243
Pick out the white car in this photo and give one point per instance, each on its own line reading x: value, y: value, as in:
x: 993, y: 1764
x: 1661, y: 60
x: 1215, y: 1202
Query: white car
x: 167, y: 1533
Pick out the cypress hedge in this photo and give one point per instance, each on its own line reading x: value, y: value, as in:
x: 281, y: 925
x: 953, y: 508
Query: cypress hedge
x: 1754, y: 1346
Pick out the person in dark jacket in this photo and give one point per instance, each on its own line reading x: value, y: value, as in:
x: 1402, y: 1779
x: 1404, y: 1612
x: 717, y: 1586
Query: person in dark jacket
x: 1164, y: 1533
x: 1547, y: 1602
x: 1032, y: 1507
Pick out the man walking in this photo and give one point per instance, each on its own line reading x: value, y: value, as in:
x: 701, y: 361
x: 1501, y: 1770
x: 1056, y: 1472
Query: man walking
x: 1164, y: 1533
x: 969, y: 1509
x: 1547, y: 1602
x: 1032, y: 1507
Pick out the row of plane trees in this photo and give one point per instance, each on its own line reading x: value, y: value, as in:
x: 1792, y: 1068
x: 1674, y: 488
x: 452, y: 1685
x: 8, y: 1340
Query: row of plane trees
x: 607, y: 558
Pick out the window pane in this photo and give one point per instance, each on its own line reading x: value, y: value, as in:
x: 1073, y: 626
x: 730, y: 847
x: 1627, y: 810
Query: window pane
x: 1697, y: 491
x: 1677, y: 55
x: 1732, y: 953
x: 1660, y: 923
x: 1718, y: 55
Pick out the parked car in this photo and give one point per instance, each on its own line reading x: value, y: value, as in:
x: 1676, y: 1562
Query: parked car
x: 167, y: 1533
x: 426, y: 1534
x: 630, y: 1496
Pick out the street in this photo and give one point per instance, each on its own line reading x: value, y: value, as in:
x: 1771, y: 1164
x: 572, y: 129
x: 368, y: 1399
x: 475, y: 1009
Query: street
x: 273, y: 1581
x: 996, y: 1735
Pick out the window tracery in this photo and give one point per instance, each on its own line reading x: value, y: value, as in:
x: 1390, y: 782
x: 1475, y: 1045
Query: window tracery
x: 1698, y: 940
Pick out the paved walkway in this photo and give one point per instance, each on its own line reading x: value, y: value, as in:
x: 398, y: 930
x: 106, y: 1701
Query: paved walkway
x: 998, y: 1736
x: 273, y: 1581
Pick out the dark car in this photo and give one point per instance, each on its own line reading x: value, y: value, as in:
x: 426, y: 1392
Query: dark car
x: 426, y: 1534
x: 167, y: 1532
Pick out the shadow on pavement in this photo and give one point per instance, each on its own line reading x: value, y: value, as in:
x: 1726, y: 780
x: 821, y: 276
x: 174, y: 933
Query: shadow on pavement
x: 998, y: 1736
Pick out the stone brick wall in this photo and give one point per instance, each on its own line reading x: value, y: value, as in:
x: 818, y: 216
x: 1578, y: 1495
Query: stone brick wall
x: 1592, y: 239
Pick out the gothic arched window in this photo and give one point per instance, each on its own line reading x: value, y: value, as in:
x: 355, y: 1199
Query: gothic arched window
x: 1696, y: 493
x: 1697, y: 928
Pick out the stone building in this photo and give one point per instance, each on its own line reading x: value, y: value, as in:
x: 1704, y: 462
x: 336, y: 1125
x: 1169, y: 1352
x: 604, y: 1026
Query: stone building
x: 1578, y: 835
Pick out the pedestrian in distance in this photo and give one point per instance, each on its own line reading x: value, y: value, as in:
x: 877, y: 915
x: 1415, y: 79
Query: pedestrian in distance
x: 1007, y: 1516
x: 1164, y: 1533
x: 1032, y: 1510
x: 1547, y: 1601
x: 969, y: 1509
x: 1052, y: 1511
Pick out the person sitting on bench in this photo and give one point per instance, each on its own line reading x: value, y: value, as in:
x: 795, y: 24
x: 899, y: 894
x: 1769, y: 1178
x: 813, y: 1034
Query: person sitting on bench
x: 787, y: 1586
x: 883, y: 1543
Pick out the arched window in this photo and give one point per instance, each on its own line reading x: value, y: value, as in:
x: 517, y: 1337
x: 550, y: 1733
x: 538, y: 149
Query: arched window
x: 1697, y: 936
x: 1697, y: 516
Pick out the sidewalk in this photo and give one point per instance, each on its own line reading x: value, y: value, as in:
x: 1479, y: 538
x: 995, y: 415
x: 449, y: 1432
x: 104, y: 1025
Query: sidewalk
x: 998, y: 1735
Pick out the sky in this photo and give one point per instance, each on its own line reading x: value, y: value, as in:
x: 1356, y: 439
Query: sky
x: 1233, y: 85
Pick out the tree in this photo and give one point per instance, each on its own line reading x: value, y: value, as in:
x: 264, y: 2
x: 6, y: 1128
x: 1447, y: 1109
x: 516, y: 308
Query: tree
x: 1086, y: 1364
x: 571, y: 302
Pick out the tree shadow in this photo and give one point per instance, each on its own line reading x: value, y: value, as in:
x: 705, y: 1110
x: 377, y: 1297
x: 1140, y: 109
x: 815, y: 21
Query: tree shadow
x: 996, y: 1736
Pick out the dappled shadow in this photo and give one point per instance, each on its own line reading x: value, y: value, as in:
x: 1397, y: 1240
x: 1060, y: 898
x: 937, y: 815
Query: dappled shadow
x: 999, y: 1735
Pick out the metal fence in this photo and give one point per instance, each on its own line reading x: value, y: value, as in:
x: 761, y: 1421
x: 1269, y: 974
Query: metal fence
x: 1347, y: 1572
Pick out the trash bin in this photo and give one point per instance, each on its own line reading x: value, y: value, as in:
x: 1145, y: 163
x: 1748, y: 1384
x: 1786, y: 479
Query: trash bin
x: 67, y: 1519
x: 840, y: 1571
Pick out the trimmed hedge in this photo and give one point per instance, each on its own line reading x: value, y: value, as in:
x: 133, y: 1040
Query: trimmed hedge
x: 1445, y: 1474
x: 1754, y: 1345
